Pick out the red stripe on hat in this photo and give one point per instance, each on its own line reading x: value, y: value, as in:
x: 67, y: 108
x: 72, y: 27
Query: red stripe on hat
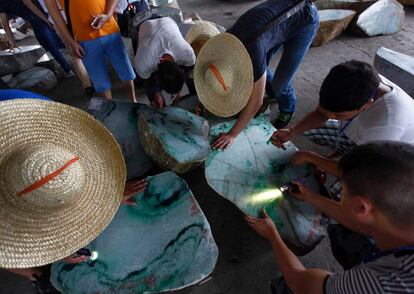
x: 43, y: 181
x: 218, y: 76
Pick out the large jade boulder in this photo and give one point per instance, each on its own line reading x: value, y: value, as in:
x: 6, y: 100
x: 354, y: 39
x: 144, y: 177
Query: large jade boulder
x: 174, y: 138
x: 120, y: 118
x: 250, y: 172
x: 163, y: 243
x: 332, y: 22
x: 20, y: 59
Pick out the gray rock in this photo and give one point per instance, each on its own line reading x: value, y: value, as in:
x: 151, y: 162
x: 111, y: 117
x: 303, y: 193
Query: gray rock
x: 356, y: 5
x: 332, y: 23
x: 48, y: 61
x: 36, y: 79
x: 7, y: 78
x: 397, y: 67
x: 21, y: 59
x: 385, y: 17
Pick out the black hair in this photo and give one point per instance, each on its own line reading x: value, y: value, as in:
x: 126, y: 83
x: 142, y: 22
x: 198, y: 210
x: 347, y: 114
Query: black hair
x: 383, y: 172
x: 348, y: 86
x: 171, y: 77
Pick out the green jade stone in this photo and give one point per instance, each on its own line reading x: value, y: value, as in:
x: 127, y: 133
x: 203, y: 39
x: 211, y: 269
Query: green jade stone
x: 250, y: 173
x: 175, y: 138
x: 162, y: 243
x: 120, y: 118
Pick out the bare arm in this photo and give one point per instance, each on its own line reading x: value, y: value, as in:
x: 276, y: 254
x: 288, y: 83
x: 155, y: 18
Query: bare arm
x: 312, y: 120
x: 62, y: 28
x: 322, y: 162
x: 331, y: 208
x: 36, y: 10
x: 6, y: 27
x: 299, y: 279
x: 246, y: 115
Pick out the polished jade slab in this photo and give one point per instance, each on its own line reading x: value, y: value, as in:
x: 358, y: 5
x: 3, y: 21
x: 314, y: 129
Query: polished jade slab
x: 120, y: 118
x: 249, y: 174
x: 163, y: 243
x: 182, y: 135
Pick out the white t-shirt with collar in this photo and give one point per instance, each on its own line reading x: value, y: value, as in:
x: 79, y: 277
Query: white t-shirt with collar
x: 156, y: 38
x: 391, y: 117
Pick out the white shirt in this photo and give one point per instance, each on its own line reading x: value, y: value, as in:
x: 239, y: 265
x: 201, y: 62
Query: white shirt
x: 156, y: 38
x: 391, y: 117
x: 42, y: 3
x: 122, y: 5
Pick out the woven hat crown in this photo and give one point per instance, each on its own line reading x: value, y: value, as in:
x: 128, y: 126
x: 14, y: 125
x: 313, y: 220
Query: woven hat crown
x: 44, y: 175
x: 219, y: 76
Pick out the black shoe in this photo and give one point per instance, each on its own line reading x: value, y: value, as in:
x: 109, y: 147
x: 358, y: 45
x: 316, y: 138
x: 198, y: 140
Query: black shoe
x: 43, y: 284
x: 89, y: 91
x: 283, y: 119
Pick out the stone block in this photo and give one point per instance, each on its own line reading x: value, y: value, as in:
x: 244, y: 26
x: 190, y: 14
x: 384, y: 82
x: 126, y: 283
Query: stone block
x: 397, y: 67
x: 174, y: 138
x: 120, y: 118
x: 21, y: 59
x: 356, y: 5
x: 385, y: 17
x: 332, y: 23
x: 36, y: 79
x: 162, y: 244
x: 250, y: 173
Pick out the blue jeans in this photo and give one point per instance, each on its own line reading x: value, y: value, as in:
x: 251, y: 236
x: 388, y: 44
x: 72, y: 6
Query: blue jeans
x: 279, y: 85
x: 49, y: 39
x: 97, y: 52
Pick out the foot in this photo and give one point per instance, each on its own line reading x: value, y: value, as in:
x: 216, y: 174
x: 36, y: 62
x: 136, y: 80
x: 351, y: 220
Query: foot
x: 43, y: 285
x: 283, y: 119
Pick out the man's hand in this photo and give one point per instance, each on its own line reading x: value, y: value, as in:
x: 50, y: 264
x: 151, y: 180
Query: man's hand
x: 280, y: 137
x: 158, y: 101
x: 132, y: 188
x: 77, y: 50
x: 223, y: 141
x: 300, y: 191
x: 100, y: 20
x: 265, y: 227
x: 300, y: 157
x: 78, y: 259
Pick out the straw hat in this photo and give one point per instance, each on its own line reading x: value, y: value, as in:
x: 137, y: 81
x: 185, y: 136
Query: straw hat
x: 223, y: 75
x: 199, y: 33
x: 62, y: 177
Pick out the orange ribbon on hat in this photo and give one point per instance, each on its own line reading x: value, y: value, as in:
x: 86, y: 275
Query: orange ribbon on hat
x: 218, y: 76
x: 43, y: 181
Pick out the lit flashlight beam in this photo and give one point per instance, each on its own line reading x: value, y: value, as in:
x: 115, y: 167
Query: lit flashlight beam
x: 267, y: 195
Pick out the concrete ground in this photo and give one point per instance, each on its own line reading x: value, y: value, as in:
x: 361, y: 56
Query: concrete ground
x: 245, y: 263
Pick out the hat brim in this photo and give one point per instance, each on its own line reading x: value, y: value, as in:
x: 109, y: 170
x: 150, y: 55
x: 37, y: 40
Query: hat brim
x: 201, y: 28
x: 226, y: 48
x: 33, y: 235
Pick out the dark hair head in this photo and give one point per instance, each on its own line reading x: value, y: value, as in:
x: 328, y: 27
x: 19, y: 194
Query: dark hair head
x: 383, y: 172
x: 171, y: 77
x: 348, y: 86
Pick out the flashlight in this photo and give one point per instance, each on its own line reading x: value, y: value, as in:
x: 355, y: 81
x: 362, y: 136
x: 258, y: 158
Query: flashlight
x: 92, y: 255
x: 293, y: 187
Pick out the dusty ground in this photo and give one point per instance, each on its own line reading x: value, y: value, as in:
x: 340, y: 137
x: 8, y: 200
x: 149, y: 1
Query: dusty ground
x: 245, y: 262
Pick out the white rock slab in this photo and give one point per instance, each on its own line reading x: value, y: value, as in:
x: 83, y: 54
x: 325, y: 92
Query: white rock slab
x: 397, y: 67
x: 385, y: 17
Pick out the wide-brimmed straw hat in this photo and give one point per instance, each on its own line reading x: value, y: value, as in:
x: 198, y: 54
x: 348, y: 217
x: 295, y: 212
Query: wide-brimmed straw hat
x: 223, y: 75
x: 62, y: 177
x: 199, y: 33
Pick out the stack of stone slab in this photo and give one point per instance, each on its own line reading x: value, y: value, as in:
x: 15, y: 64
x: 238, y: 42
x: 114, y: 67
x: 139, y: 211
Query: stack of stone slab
x: 18, y: 69
x: 167, y: 8
x: 372, y: 17
x: 397, y: 67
